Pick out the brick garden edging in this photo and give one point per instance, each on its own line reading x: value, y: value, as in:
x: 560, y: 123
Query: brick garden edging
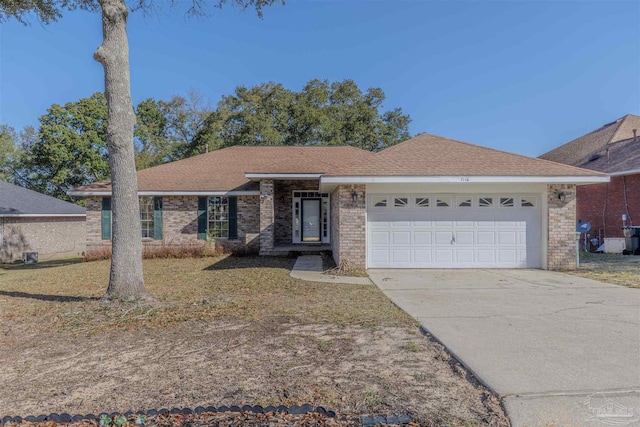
x: 367, y: 421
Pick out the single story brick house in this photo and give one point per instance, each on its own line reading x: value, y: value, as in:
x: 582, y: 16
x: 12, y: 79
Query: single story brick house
x: 613, y: 149
x: 33, y: 222
x: 428, y: 202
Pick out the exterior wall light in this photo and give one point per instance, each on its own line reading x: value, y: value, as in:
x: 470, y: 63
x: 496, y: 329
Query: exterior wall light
x: 354, y: 196
x: 561, y: 196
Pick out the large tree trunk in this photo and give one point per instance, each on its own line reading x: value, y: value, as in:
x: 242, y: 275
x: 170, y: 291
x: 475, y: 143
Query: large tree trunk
x: 126, y: 281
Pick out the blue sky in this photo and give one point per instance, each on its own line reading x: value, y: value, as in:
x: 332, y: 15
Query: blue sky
x: 521, y: 76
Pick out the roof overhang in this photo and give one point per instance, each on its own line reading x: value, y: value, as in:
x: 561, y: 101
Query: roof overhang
x: 169, y: 193
x: 41, y: 215
x: 258, y: 176
x: 332, y: 181
x: 627, y: 172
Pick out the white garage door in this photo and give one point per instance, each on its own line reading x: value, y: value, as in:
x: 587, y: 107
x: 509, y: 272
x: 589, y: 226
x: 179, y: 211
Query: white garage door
x: 453, y: 231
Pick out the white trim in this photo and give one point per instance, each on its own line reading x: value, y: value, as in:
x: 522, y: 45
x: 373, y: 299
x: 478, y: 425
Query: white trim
x: 39, y: 215
x: 628, y: 172
x: 170, y: 193
x: 283, y: 175
x: 590, y: 179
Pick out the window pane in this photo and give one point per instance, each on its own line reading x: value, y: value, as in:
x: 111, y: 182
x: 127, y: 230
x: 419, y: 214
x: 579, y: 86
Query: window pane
x: 485, y: 202
x: 146, y: 217
x: 422, y: 202
x: 401, y: 202
x: 218, y: 217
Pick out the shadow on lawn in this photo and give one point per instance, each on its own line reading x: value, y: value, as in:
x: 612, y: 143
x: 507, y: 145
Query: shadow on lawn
x: 42, y: 264
x: 41, y: 297
x: 234, y: 262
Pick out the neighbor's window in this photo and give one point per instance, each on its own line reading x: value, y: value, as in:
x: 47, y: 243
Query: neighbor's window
x: 146, y: 217
x: 218, y: 217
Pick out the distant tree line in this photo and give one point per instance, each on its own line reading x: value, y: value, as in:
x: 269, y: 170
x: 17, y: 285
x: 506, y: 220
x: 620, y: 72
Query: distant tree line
x: 69, y: 147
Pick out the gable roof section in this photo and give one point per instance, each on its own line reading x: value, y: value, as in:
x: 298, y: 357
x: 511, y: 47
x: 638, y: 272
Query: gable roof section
x: 580, y: 151
x: 431, y: 155
x: 18, y: 201
x: 225, y: 170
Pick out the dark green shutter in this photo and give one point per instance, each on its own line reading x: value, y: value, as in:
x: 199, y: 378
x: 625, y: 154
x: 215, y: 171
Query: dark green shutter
x: 233, y: 218
x: 106, y: 218
x: 157, y: 218
x: 202, y: 218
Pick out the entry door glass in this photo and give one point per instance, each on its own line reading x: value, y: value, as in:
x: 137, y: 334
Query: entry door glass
x: 310, y: 220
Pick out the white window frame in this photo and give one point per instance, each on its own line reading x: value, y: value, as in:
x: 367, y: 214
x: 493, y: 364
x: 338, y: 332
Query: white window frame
x: 217, y: 221
x: 325, y: 217
x: 147, y: 224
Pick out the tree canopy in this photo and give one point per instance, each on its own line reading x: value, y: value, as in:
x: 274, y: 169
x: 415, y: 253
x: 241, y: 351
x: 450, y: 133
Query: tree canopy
x: 322, y: 113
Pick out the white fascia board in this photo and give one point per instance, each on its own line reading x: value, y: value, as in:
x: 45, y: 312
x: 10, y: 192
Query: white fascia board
x: 462, y: 179
x: 629, y: 172
x: 170, y: 193
x: 283, y: 175
x: 40, y: 215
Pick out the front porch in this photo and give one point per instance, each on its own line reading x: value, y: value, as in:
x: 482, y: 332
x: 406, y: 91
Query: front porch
x: 294, y: 217
x: 302, y: 249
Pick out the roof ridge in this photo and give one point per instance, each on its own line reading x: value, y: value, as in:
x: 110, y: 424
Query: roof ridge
x: 620, y: 121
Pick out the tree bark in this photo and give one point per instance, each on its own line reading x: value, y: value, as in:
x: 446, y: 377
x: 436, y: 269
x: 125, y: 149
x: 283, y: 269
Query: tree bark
x: 126, y: 281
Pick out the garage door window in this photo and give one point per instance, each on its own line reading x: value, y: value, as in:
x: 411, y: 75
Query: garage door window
x: 401, y: 202
x: 506, y: 202
x: 464, y: 202
x: 422, y: 202
x: 443, y: 202
x: 379, y: 202
x: 528, y: 202
x: 485, y: 202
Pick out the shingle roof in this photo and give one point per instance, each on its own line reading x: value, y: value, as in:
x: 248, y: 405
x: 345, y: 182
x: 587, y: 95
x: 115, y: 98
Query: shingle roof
x: 16, y: 201
x: 431, y: 155
x: 225, y: 169
x: 579, y: 151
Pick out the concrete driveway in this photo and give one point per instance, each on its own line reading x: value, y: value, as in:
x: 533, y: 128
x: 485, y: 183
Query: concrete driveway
x: 555, y: 347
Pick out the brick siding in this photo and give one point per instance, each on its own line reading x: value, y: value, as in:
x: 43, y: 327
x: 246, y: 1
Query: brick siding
x: 348, y: 225
x: 561, y: 250
x: 59, y: 237
x: 267, y: 234
x: 602, y: 205
x: 180, y: 225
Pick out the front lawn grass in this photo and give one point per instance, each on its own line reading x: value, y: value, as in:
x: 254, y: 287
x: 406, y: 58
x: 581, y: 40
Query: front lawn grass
x: 226, y: 331
x: 248, y: 288
x: 610, y: 268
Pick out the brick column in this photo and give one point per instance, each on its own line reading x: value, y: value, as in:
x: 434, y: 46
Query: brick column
x: 561, y: 243
x: 352, y: 225
x: 266, y: 217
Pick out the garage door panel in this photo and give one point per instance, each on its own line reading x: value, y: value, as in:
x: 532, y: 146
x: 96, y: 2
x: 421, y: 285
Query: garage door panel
x: 486, y: 237
x: 444, y: 255
x: 411, y: 236
x: 507, y: 237
x: 464, y: 237
x: 379, y: 256
x: 422, y: 256
x: 402, y: 237
x: 443, y: 237
x: 507, y: 256
x: 422, y: 237
x: 487, y: 256
x: 464, y: 255
x: 379, y: 238
x: 401, y: 256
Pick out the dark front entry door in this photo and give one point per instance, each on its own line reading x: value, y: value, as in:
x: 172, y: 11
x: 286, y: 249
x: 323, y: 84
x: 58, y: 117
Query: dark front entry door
x: 310, y: 220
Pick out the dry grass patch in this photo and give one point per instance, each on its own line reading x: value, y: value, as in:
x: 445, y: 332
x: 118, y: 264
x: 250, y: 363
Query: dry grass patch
x: 610, y: 268
x: 228, y: 330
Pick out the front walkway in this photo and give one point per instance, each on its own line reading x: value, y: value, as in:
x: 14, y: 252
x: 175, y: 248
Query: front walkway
x: 309, y: 268
x: 554, y: 347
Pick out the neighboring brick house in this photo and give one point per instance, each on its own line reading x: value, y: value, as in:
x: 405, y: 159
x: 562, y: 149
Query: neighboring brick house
x: 613, y: 149
x: 34, y: 222
x: 429, y: 202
